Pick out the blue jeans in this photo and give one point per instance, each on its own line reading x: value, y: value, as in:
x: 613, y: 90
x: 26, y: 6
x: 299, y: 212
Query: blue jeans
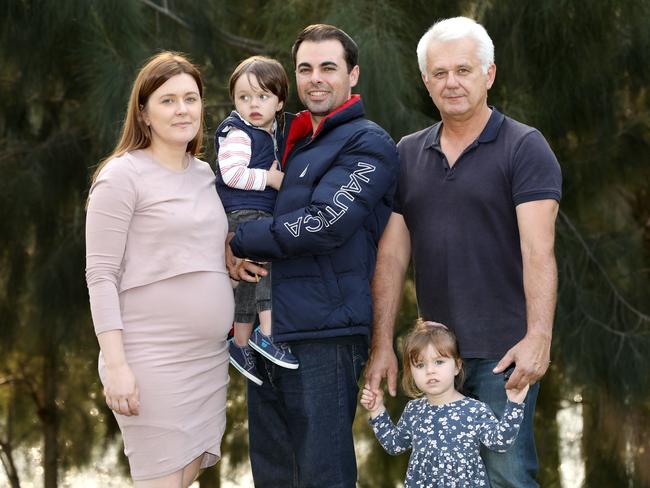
x: 517, y: 467
x: 300, y: 421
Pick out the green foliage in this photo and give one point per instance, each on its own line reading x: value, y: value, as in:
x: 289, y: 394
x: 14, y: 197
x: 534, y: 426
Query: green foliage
x: 578, y: 71
x: 48, y: 144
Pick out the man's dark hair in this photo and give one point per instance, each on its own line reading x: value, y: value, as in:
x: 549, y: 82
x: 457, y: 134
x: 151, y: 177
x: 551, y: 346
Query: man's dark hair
x: 325, y: 32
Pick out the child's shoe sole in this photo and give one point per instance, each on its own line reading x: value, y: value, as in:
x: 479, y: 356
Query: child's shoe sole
x: 279, y: 362
x: 251, y: 377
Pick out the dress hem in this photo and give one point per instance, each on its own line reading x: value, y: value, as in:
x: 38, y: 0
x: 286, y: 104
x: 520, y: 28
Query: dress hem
x: 214, y: 459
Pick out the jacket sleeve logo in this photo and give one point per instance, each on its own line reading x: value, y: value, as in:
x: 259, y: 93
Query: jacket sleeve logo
x: 344, y: 196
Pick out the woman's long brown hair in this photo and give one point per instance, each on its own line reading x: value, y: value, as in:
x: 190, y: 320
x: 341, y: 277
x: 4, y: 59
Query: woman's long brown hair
x: 156, y: 71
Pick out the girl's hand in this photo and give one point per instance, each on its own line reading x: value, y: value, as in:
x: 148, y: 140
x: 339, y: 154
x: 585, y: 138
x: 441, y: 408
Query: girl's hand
x: 517, y: 395
x: 274, y: 176
x: 373, y: 401
x: 121, y: 390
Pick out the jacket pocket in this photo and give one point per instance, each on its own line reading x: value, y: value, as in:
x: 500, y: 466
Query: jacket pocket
x: 303, y: 305
x: 329, y: 279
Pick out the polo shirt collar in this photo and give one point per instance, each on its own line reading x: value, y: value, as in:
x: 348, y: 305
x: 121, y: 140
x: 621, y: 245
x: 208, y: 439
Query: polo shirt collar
x: 489, y: 133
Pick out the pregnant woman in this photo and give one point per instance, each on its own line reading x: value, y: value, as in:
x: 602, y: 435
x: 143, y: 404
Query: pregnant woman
x: 160, y: 297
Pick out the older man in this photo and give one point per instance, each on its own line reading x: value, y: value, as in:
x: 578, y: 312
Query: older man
x: 476, y: 206
x: 335, y: 200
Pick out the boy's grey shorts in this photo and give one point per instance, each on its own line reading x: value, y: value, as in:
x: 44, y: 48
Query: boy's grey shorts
x: 250, y: 298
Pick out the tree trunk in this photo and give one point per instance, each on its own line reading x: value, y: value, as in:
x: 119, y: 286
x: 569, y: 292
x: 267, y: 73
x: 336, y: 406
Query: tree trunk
x: 602, y: 464
x: 210, y: 478
x: 546, y: 429
x: 50, y: 419
x: 6, y: 447
x: 10, y: 466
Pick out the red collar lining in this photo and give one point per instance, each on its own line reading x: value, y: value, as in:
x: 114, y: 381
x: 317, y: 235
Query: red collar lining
x: 301, y: 125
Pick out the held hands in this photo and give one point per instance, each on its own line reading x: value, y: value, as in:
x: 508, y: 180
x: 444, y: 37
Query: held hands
x: 373, y: 401
x: 121, y: 390
x: 382, y: 364
x: 232, y: 262
x: 517, y: 395
x: 532, y: 357
x: 274, y: 176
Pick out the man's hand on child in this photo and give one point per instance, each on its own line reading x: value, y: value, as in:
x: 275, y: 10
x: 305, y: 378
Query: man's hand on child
x: 373, y: 401
x: 232, y: 262
x: 274, y: 176
x: 517, y: 395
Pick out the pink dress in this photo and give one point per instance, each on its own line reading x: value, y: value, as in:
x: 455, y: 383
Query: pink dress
x: 155, y: 269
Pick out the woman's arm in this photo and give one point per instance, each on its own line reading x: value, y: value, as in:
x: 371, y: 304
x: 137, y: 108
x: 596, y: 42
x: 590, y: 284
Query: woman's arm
x: 120, y: 389
x: 110, y: 209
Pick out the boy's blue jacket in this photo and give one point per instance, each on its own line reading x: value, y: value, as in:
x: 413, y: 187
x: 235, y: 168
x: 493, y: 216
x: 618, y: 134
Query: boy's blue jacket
x: 334, y: 203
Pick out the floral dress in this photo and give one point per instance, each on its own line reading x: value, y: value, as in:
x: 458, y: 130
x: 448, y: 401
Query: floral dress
x: 445, y: 440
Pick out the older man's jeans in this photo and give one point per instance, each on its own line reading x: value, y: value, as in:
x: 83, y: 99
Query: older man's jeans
x: 300, y: 421
x: 516, y: 468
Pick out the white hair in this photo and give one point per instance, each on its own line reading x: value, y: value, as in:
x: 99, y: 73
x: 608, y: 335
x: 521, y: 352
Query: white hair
x: 452, y: 30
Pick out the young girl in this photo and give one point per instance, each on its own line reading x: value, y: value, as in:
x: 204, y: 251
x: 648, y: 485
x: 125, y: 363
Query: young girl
x: 248, y: 178
x: 443, y: 428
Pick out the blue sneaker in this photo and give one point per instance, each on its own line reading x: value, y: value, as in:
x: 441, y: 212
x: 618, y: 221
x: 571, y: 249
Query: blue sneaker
x: 279, y: 353
x: 243, y: 359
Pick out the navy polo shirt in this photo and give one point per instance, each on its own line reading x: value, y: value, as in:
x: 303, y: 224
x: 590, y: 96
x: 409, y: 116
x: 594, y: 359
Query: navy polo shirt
x: 463, y: 228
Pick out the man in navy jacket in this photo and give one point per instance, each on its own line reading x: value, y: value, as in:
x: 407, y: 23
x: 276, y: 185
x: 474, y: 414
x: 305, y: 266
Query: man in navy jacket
x: 335, y: 200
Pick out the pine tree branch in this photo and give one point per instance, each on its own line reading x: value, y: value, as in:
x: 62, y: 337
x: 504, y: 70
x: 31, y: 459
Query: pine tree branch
x: 617, y: 294
x: 31, y: 388
x: 165, y: 11
x: 605, y: 326
x: 251, y: 45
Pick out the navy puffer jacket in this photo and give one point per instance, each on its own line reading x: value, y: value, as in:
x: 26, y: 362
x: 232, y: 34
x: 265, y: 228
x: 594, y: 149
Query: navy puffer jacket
x: 333, y: 205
